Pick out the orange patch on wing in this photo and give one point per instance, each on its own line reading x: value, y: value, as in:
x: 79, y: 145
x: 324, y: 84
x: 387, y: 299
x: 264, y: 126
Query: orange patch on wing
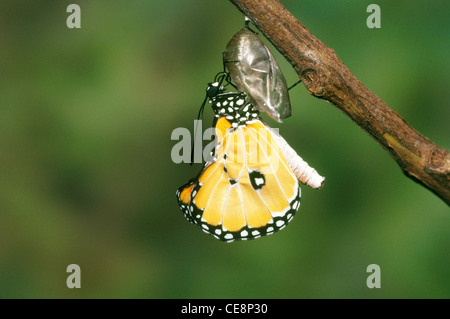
x: 222, y: 126
x: 185, y: 194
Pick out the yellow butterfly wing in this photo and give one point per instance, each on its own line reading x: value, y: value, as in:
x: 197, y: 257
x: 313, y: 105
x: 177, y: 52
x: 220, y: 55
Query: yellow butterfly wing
x: 248, y: 191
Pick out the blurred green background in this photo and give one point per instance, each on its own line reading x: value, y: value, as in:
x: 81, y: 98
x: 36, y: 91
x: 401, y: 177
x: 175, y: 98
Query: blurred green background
x: 86, y: 175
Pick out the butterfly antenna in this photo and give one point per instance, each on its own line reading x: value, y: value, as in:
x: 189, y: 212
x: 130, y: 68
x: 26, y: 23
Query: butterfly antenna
x: 223, y: 62
x: 228, y: 80
x: 210, y: 93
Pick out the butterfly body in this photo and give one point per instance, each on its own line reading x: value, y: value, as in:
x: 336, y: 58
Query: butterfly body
x: 248, y: 189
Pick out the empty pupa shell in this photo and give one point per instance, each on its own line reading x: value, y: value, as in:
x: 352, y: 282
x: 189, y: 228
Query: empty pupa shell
x: 255, y: 71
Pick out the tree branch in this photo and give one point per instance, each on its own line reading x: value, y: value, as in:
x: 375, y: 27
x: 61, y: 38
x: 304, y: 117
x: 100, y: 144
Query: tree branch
x: 326, y: 77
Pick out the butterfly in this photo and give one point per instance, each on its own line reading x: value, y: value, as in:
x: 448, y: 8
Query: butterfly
x: 250, y: 187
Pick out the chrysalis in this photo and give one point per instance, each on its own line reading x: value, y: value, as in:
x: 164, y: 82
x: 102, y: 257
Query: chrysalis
x: 255, y: 71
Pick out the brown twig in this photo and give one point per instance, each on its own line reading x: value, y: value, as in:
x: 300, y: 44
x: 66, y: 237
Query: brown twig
x: 326, y: 77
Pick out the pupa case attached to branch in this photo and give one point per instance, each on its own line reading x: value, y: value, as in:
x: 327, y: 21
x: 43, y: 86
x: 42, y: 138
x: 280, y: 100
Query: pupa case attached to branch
x: 255, y: 71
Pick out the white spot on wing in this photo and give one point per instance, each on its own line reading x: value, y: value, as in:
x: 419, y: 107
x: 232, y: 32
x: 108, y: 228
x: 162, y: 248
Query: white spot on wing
x: 279, y: 223
x: 228, y: 236
x: 259, y: 181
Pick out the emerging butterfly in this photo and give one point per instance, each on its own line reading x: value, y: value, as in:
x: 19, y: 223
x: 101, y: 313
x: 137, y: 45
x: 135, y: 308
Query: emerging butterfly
x: 250, y: 188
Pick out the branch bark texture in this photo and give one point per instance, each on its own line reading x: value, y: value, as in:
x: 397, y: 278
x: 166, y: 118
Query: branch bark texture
x: 326, y: 77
